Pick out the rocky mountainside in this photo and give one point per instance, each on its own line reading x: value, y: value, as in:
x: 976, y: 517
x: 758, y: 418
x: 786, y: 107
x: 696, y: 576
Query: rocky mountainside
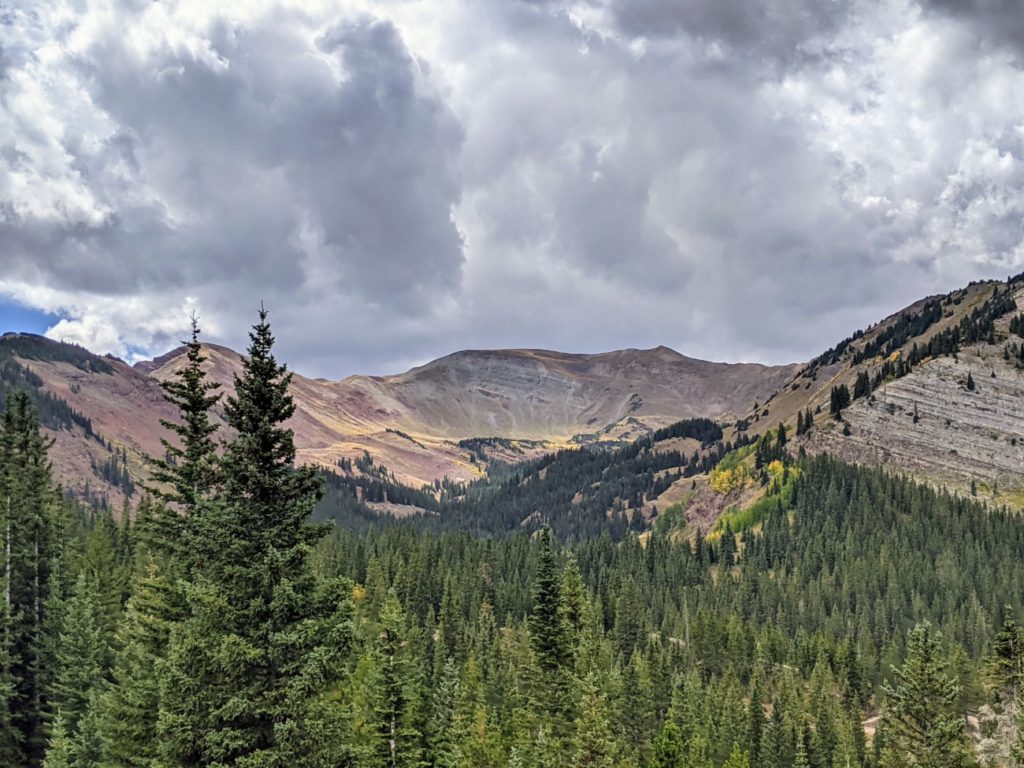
x: 911, y: 405
x: 438, y: 420
x: 927, y: 420
x: 530, y: 400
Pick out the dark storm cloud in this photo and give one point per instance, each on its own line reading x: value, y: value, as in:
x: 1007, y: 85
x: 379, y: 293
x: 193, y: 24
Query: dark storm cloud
x: 273, y: 142
x: 1001, y: 21
x: 774, y: 30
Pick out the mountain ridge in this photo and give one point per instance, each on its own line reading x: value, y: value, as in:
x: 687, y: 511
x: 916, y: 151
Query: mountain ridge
x: 449, y: 417
x: 539, y: 396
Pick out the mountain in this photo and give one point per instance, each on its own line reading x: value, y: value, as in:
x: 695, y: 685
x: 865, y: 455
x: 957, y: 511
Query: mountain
x: 917, y: 412
x: 473, y: 411
x: 521, y: 394
x: 933, y: 390
x: 413, y: 422
x: 503, y: 405
x: 541, y: 395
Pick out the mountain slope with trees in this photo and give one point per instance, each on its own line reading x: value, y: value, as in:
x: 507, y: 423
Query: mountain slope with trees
x: 932, y: 390
x: 864, y: 620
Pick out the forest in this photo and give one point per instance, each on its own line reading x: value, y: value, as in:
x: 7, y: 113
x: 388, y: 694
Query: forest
x: 230, y: 618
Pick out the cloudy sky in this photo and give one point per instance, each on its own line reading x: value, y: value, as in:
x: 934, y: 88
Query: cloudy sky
x: 739, y: 180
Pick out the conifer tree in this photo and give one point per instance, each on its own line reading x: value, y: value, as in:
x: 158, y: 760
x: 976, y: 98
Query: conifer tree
x: 10, y: 739
x: 727, y: 547
x: 479, y: 738
x: 573, y: 604
x: 593, y: 745
x: 756, y: 719
x: 29, y: 511
x: 248, y: 671
x: 449, y: 626
x: 801, y: 760
x: 547, y: 627
x: 635, y: 711
x: 129, y: 708
x: 920, y: 706
x: 839, y: 399
x: 737, y: 758
x: 397, y: 739
x: 87, y: 745
x: 698, y: 753
x: 189, y: 469
x: 862, y: 386
x: 58, y: 753
x: 443, y: 750
x: 1017, y: 748
x: 628, y: 618
x: 549, y: 637
x: 99, y: 564
x: 669, y: 750
x: 188, y: 473
x: 1006, y: 662
x: 82, y: 653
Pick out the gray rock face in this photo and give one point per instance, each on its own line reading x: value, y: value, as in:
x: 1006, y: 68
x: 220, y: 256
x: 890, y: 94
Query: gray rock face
x: 958, y: 434
x: 541, y: 394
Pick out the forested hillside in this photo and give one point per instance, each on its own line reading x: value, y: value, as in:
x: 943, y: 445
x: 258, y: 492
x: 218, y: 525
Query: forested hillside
x: 858, y: 619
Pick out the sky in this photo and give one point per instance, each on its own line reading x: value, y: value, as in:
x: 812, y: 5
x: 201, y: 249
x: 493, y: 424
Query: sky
x: 398, y: 180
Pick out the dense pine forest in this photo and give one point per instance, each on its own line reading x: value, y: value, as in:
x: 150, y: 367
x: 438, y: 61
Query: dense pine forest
x: 232, y: 617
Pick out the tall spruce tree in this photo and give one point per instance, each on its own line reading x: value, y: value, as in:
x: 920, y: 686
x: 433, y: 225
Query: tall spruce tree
x: 549, y: 637
x: 737, y: 758
x: 188, y: 472
x: 1006, y: 662
x: 83, y: 650
x: 29, y: 508
x: 59, y: 751
x: 398, y: 740
x: 10, y: 739
x: 250, y: 669
x: 129, y: 708
x: 183, y: 483
x: 593, y: 744
x: 548, y: 634
x: 442, y: 747
x: 573, y: 604
x: 669, y: 748
x: 920, y: 707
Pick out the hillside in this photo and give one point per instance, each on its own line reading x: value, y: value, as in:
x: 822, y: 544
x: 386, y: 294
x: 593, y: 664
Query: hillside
x: 445, y: 419
x: 913, y: 410
x: 456, y: 416
x: 413, y: 422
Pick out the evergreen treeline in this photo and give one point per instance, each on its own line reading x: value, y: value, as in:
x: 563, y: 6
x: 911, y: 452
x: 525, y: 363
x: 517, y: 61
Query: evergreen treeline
x: 1017, y: 325
x: 976, y: 327
x: 898, y: 333
x: 53, y: 412
x: 704, y: 430
x: 28, y: 346
x: 114, y: 470
x: 570, y: 491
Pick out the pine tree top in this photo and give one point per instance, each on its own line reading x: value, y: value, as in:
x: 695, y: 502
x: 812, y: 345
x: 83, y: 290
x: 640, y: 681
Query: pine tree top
x: 189, y: 467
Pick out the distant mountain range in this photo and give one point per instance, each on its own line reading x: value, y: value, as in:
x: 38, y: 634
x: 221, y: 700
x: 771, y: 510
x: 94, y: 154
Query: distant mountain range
x: 449, y: 418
